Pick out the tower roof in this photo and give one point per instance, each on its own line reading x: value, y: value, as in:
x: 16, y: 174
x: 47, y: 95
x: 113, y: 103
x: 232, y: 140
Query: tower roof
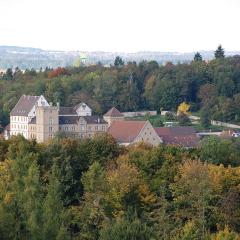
x: 113, y: 112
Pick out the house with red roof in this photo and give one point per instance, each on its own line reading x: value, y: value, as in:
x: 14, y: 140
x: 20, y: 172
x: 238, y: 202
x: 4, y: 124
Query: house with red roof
x: 178, y: 136
x: 132, y: 132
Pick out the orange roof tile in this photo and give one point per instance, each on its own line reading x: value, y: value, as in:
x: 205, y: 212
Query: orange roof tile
x: 126, y: 131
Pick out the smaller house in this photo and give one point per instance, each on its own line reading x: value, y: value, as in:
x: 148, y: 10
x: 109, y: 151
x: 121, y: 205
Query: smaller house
x: 178, y: 136
x: 113, y: 115
x: 82, y: 109
x: 131, y: 132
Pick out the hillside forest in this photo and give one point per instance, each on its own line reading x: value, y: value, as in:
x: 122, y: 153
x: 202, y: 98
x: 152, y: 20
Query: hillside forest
x: 94, y: 189
x: 211, y: 88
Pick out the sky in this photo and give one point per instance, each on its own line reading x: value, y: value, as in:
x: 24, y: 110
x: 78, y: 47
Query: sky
x: 121, y: 26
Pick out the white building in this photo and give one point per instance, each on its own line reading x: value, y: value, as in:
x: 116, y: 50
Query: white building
x: 34, y: 118
x: 23, y: 112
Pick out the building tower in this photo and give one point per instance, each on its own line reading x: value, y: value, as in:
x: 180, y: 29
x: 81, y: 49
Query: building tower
x: 112, y: 115
x: 47, y: 122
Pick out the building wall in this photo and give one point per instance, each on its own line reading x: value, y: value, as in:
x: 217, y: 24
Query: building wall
x: 41, y: 102
x: 84, y: 110
x: 110, y: 119
x: 32, y: 133
x: 82, y: 129
x: 47, y: 122
x: 139, y: 113
x: 148, y: 135
x: 19, y: 125
x: 94, y: 129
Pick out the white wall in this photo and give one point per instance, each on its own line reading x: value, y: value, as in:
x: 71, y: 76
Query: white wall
x: 84, y: 110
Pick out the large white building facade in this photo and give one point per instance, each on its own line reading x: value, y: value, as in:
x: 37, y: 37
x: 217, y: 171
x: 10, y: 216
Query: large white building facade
x: 23, y: 112
x: 34, y: 118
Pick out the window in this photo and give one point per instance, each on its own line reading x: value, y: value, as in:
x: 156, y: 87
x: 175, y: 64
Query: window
x: 50, y: 129
x: 96, y: 128
x: 50, y: 120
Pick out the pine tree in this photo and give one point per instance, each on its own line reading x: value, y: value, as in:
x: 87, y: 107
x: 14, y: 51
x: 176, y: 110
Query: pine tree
x: 219, y: 53
x: 197, y: 57
x: 32, y: 202
x: 118, y: 62
x: 54, y: 213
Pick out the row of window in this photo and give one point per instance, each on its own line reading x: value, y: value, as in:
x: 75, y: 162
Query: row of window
x: 16, y: 133
x: 18, y: 126
x: 19, y: 118
x: 82, y: 128
x: 33, y: 128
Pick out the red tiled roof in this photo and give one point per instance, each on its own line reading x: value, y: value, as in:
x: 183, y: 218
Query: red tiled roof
x: 126, y: 131
x: 178, y: 136
x: 113, y: 112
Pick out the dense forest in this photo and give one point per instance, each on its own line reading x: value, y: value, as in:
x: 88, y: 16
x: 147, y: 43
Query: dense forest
x: 211, y: 88
x: 94, y: 189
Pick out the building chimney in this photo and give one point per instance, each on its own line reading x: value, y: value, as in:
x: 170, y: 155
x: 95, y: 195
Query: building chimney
x: 58, y: 104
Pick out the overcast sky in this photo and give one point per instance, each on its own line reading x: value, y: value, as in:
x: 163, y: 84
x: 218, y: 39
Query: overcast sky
x: 123, y: 25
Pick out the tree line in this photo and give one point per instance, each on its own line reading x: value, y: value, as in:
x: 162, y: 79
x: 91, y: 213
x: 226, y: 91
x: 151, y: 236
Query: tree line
x: 211, y: 88
x: 95, y: 189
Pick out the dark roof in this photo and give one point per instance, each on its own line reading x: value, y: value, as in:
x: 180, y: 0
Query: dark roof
x: 24, y: 105
x: 126, y: 131
x: 94, y: 120
x: 178, y: 136
x: 113, y: 112
x: 68, y: 119
x: 67, y: 111
x: 75, y: 119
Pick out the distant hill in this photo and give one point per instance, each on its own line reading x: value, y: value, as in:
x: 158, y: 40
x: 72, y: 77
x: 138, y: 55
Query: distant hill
x: 24, y: 57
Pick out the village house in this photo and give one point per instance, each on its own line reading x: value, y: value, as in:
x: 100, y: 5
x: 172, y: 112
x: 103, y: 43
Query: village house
x: 113, y: 115
x: 132, y: 132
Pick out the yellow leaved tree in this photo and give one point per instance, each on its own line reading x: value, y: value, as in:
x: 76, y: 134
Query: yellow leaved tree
x: 183, y: 108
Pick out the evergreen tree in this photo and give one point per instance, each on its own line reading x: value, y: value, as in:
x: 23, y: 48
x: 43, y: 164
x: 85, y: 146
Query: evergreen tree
x: 197, y: 57
x: 205, y: 117
x: 8, y: 75
x: 219, y: 53
x: 54, y: 214
x: 126, y: 229
x: 32, y: 202
x: 118, y: 62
